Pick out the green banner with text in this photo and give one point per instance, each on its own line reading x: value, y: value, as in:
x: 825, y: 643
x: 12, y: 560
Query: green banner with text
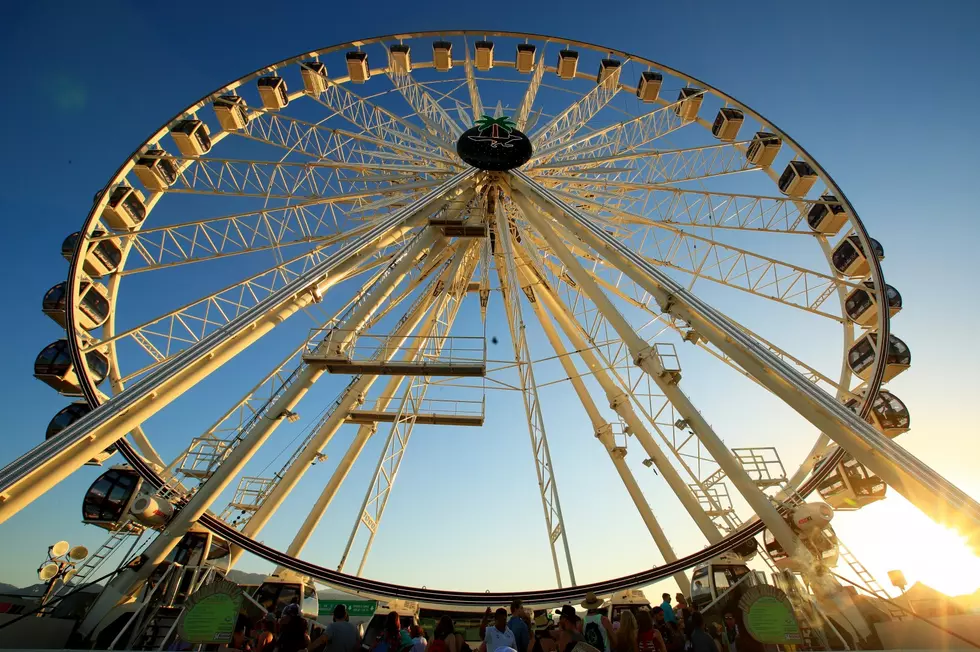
x: 355, y: 608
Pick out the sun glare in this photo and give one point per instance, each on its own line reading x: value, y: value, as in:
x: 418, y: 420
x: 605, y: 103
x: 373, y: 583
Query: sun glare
x: 941, y: 560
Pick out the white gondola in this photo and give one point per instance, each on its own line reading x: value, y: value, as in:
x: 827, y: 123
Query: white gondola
x: 608, y: 75
x: 401, y: 59
x: 69, y: 415
x: 861, y: 304
x: 525, y: 57
x: 125, y: 209
x: 93, y: 305
x: 156, y: 169
x: 827, y: 216
x: 314, y: 75
x: 851, y: 485
x: 102, y: 257
x: 279, y: 591
x: 763, y: 149
x: 849, y: 258
x: 193, y: 137
x: 54, y: 366
x: 688, y: 103
x: 797, y: 179
x: 484, y: 55
x: 357, y: 66
x: 272, y: 89
x: 231, y: 111
x: 713, y: 578
x: 861, y: 357
x: 727, y: 123
x: 442, y: 55
x: 648, y: 88
x: 888, y: 413
x: 567, y: 64
x: 106, y: 503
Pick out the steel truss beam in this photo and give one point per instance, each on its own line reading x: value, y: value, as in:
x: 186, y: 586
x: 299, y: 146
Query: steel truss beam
x: 548, y: 486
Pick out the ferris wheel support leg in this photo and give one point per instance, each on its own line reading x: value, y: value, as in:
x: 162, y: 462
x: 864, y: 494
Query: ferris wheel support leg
x: 620, y: 402
x: 52, y: 461
x: 548, y: 486
x: 640, y: 351
x: 921, y: 485
x: 355, y: 395
x: 364, y: 433
x: 603, y: 432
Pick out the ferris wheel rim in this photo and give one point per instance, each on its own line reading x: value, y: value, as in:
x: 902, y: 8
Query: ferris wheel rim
x: 92, y: 396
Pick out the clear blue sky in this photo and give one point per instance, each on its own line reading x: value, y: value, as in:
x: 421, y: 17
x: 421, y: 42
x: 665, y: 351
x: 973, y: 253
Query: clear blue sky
x: 880, y: 93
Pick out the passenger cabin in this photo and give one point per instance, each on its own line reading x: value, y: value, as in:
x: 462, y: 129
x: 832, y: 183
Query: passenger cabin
x: 69, y: 415
x: 231, y: 111
x: 106, y: 503
x: 763, y: 149
x: 888, y: 413
x: 278, y: 592
x: 861, y: 304
x: 93, y: 304
x: 357, y: 66
x: 442, y: 55
x: 608, y: 75
x: 525, y: 58
x: 727, y: 123
x: 648, y: 88
x: 401, y: 59
x: 193, y: 137
x: 797, y: 179
x: 103, y: 256
x: 156, y: 169
x: 631, y: 600
x: 567, y: 64
x: 688, y: 103
x: 827, y: 215
x: 272, y: 89
x: 821, y: 543
x: 851, y: 485
x: 484, y: 55
x: 849, y: 258
x: 713, y: 578
x: 54, y: 366
x: 861, y: 357
x: 314, y: 77
x: 125, y: 209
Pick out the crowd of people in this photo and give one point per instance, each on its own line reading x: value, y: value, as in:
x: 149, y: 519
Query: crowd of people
x: 669, y: 627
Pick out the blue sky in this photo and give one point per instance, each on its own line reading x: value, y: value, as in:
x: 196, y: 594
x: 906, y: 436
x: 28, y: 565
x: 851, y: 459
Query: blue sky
x: 878, y: 92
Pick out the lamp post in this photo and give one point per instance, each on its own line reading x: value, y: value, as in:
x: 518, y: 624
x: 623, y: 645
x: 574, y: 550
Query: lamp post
x: 60, y: 565
x: 897, y: 578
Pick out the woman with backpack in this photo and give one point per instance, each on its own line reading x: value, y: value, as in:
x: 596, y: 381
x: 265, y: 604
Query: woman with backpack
x: 445, y: 638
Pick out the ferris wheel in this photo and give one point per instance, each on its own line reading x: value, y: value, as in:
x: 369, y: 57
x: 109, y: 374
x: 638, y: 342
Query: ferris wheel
x: 401, y: 192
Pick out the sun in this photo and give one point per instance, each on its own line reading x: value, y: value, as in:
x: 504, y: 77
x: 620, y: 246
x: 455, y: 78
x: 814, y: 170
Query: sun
x: 894, y: 535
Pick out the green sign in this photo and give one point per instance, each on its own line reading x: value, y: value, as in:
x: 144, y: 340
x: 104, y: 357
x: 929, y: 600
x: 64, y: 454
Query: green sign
x: 769, y: 616
x: 210, y: 614
x: 355, y: 608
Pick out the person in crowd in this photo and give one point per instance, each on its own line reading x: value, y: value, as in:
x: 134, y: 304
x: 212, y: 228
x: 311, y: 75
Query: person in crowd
x: 731, y: 632
x: 625, y: 638
x: 543, y: 636
x: 688, y: 626
x: 445, y: 638
x: 264, y: 633
x: 499, y: 635
x: 669, y: 614
x: 700, y: 640
x: 648, y: 638
x: 682, y: 611
x: 392, y: 638
x: 418, y: 638
x: 293, y: 635
x: 517, y: 625
x: 340, y: 635
x: 569, y: 629
x: 596, y: 626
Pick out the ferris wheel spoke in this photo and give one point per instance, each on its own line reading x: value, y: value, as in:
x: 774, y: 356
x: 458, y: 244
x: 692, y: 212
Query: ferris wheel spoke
x: 555, y: 135
x: 531, y: 93
x: 327, y: 143
x: 622, y: 137
x: 476, y: 103
x: 443, y: 130
x: 659, y: 167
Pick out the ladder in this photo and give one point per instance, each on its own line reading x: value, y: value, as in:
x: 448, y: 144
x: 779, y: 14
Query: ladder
x: 96, y: 560
x: 869, y: 582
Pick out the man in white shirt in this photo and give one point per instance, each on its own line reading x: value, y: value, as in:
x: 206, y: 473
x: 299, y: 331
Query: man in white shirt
x: 499, y: 635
